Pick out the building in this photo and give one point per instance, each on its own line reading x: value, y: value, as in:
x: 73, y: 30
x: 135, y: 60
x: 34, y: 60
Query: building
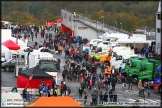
x: 158, y: 29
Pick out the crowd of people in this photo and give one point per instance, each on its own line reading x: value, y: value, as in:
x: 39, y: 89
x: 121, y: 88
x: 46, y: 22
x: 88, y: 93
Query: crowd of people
x: 78, y: 68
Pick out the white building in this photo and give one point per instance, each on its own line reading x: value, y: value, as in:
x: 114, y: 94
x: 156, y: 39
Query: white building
x: 158, y: 29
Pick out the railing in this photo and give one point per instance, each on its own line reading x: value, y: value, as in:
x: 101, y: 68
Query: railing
x: 98, y: 25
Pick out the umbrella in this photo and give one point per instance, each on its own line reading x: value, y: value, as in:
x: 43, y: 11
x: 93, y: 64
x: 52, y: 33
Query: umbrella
x: 11, y: 45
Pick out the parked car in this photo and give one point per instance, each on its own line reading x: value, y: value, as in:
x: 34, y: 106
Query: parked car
x: 9, y: 65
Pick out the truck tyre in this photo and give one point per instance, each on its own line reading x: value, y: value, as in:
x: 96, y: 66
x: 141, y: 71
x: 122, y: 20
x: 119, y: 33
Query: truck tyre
x: 143, y: 82
x: 134, y: 79
x: 160, y: 89
x: 7, y: 69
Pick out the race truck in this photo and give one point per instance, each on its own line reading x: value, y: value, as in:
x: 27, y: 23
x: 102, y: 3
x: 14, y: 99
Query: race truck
x: 157, y: 79
x: 47, y: 63
x: 119, y: 56
x: 142, y: 69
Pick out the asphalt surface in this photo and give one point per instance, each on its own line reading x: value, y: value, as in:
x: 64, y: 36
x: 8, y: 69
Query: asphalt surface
x: 124, y: 95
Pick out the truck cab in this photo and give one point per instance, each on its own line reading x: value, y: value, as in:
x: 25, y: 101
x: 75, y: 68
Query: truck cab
x: 120, y: 55
x: 132, y: 67
x: 157, y: 79
x: 47, y: 62
x: 147, y: 70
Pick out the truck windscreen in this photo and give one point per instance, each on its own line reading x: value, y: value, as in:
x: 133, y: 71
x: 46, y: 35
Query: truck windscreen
x: 158, y: 74
x: 49, y: 67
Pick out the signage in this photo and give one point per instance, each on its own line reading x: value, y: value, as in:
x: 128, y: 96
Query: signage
x: 82, y: 28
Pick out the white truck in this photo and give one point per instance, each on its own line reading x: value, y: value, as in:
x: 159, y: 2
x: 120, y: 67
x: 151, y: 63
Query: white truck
x: 47, y: 63
x: 120, y: 55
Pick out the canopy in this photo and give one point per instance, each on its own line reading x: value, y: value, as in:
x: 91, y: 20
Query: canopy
x: 20, y: 42
x: 102, y: 36
x: 38, y: 75
x: 131, y: 40
x: 59, y: 101
x: 11, y: 45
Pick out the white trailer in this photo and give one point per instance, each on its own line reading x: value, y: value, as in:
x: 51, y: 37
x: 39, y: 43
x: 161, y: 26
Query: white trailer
x: 34, y: 58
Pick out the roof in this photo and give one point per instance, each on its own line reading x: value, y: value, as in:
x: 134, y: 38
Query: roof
x: 37, y: 73
x: 56, y: 101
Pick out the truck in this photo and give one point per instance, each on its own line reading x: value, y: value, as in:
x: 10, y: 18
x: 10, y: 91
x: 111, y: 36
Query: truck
x: 157, y: 79
x: 120, y: 54
x: 45, y: 61
x: 142, y: 69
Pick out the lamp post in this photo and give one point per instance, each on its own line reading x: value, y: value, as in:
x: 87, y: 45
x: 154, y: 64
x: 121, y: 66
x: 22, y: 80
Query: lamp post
x: 116, y: 24
x: 121, y: 25
x: 86, y: 13
x: 102, y: 20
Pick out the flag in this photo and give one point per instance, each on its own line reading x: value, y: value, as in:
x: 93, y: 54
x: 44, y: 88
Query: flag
x: 31, y: 77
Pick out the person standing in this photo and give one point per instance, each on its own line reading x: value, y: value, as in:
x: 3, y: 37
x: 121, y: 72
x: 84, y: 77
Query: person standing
x: 94, y: 98
x: 61, y: 88
x: 24, y: 93
x: 40, y: 89
x: 100, y: 97
x: 111, y: 95
x: 68, y: 91
x: 130, y: 81
x: 28, y: 97
x: 113, y: 83
x: 64, y: 88
x: 85, y: 97
x: 123, y: 82
x: 105, y: 97
x: 80, y: 92
x: 106, y: 84
x: 114, y: 97
x: 55, y: 91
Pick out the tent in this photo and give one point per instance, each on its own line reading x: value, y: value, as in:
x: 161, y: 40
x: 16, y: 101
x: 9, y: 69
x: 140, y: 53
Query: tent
x: 38, y: 75
x: 11, y: 45
x: 20, y: 42
x: 5, y: 51
x: 59, y: 101
x: 103, y: 35
x: 132, y: 40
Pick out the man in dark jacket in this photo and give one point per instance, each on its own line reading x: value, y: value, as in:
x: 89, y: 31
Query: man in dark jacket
x: 130, y: 81
x: 105, y: 97
x: 106, y: 84
x: 113, y: 83
x: 40, y: 89
x: 64, y: 88
x: 94, y: 95
x: 111, y: 95
x: 80, y: 92
x: 24, y: 93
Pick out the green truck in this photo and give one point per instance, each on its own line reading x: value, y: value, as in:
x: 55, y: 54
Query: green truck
x: 142, y: 68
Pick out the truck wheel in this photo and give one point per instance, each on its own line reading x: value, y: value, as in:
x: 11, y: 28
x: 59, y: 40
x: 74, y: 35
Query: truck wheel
x: 7, y: 69
x: 144, y: 82
x: 160, y: 89
x: 134, y: 79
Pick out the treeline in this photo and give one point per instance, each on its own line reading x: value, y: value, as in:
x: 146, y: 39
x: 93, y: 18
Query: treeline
x: 132, y: 14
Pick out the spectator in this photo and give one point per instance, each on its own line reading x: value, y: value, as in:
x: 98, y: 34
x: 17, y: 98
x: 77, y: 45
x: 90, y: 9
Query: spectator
x: 130, y: 81
x: 24, y: 93
x: 68, y: 91
x: 105, y: 97
x: 115, y: 97
x: 94, y: 98
x: 111, y: 95
x: 85, y: 97
x: 28, y: 97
